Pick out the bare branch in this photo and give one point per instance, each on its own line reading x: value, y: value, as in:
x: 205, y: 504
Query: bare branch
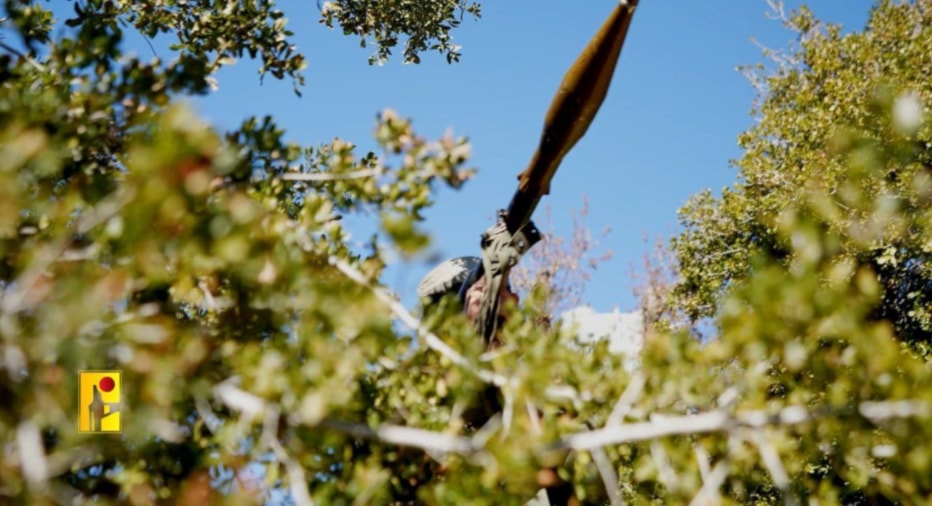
x: 38, y: 66
x: 406, y: 436
x: 633, y: 432
x: 777, y: 11
x: 708, y: 494
x: 774, y: 465
x: 609, y: 476
x: 593, y: 441
x: 251, y: 405
x: 720, y: 421
x: 327, y: 176
x: 563, y: 265
x: 15, y: 295
x: 665, y: 471
x: 703, y: 458
x: 628, y: 398
x: 296, y: 476
x: 405, y: 316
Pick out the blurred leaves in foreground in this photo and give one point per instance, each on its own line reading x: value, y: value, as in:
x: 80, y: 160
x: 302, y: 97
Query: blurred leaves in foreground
x: 263, y: 360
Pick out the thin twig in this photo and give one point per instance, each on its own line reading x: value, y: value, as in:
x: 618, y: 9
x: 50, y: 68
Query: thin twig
x: 774, y: 465
x: 628, y: 398
x: 708, y: 494
x: 296, y: 476
x: 12, y: 300
x: 703, y: 458
x: 38, y: 66
x: 609, y: 476
x: 777, y: 11
x: 329, y: 176
x: 405, y: 316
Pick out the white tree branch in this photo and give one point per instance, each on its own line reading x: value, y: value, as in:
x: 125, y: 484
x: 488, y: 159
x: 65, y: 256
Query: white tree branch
x: 708, y: 494
x: 720, y: 421
x: 296, y: 477
x: 406, y: 436
x: 771, y: 460
x: 412, y: 322
x: 593, y: 441
x: 631, y: 394
x: 609, y: 476
x: 327, y: 176
x: 665, y: 471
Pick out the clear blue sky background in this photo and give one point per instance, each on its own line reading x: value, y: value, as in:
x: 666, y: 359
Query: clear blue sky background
x: 666, y: 131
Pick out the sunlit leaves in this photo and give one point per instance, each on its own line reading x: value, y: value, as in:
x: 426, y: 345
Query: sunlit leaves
x: 427, y: 25
x: 814, y: 264
x: 842, y: 102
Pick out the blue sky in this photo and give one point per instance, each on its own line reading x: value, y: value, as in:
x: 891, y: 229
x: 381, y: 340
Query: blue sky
x: 666, y: 131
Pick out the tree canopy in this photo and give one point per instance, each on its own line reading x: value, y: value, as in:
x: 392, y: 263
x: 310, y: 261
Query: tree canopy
x: 263, y: 360
x: 831, y: 100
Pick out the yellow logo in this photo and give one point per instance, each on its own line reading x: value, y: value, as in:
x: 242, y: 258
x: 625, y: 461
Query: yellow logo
x: 99, y: 402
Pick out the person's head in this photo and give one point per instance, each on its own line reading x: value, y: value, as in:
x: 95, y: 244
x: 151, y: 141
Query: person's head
x: 462, y: 276
x: 473, y: 300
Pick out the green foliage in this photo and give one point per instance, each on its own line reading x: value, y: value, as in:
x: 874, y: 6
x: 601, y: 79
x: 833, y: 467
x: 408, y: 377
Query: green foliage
x: 427, y: 24
x: 828, y: 107
x: 262, y: 357
x: 815, y: 265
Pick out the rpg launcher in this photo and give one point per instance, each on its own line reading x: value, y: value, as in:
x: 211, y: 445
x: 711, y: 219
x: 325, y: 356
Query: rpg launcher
x: 573, y: 108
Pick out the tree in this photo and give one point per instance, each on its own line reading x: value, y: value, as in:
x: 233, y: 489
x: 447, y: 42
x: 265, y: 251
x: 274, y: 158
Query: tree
x: 262, y: 359
x: 135, y: 237
x: 825, y: 94
x: 831, y: 208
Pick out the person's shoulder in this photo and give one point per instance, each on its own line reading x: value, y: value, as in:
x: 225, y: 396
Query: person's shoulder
x: 447, y: 277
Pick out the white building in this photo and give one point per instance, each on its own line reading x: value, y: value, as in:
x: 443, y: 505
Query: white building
x: 624, y: 331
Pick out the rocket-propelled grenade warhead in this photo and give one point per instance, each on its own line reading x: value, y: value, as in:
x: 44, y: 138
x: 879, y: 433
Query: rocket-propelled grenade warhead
x: 573, y: 108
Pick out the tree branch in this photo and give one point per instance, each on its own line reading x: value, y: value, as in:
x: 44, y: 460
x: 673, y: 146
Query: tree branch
x: 720, y: 421
x: 593, y: 441
x: 412, y: 322
x: 774, y: 465
x: 13, y: 298
x: 406, y: 436
x: 435, y: 343
x: 251, y: 406
x: 609, y: 476
x: 327, y: 176
x: 296, y: 476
